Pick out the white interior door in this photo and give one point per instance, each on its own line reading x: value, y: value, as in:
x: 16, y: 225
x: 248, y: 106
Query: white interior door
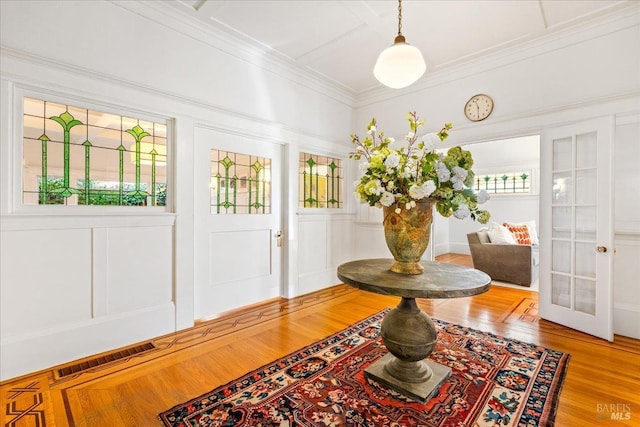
x: 237, y: 220
x: 576, y: 221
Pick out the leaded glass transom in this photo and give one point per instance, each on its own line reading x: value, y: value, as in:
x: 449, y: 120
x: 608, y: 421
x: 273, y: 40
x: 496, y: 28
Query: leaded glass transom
x: 505, y: 183
x: 320, y: 181
x: 78, y: 156
x: 239, y: 183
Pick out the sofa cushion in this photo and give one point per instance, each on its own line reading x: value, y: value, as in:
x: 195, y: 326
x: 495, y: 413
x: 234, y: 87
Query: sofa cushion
x: 520, y: 233
x: 500, y: 234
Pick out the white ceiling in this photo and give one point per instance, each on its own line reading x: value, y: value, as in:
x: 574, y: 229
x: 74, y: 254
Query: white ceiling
x: 341, y: 40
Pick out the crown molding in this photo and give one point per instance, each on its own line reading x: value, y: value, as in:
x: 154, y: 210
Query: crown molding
x: 15, y: 60
x: 556, y: 40
x: 177, y: 17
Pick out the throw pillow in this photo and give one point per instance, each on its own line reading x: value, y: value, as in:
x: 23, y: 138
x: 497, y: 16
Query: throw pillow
x: 520, y: 233
x: 533, y: 233
x: 500, y: 234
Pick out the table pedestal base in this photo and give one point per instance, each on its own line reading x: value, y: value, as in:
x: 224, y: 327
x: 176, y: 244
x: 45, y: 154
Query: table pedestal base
x: 420, y: 391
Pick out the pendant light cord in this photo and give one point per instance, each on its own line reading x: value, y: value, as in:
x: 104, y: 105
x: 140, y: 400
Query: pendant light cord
x: 399, y: 17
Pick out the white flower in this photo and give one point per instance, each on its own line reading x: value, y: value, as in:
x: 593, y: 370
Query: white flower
x: 431, y: 141
x: 364, y: 166
x: 392, y: 161
x: 413, y: 203
x: 407, y: 206
x: 457, y: 183
x: 462, y: 212
x: 409, y: 136
x: 443, y: 173
x: 460, y: 172
x: 483, y: 196
x: 387, y: 199
x: 417, y: 192
x: 390, y: 185
x: 429, y: 187
x: 408, y: 173
x: 398, y: 210
x: 360, y: 149
x: 391, y: 140
x: 371, y: 130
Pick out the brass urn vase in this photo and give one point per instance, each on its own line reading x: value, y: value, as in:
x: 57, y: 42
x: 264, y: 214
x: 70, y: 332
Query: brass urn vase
x: 407, y: 233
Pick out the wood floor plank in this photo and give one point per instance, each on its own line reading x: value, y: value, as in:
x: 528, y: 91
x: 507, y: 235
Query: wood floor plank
x: 189, y: 363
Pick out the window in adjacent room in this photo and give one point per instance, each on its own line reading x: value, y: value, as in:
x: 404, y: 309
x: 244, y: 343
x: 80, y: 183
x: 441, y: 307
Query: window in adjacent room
x: 320, y: 181
x: 78, y: 156
x: 505, y: 183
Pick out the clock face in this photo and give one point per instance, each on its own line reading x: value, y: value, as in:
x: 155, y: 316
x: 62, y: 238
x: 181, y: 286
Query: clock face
x: 478, y: 107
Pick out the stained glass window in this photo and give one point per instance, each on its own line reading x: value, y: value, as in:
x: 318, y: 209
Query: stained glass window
x: 78, y: 156
x: 239, y: 183
x: 505, y: 183
x: 320, y: 181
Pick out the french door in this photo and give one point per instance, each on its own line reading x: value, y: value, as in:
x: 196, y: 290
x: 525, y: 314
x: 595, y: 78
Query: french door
x: 576, y: 222
x: 237, y: 220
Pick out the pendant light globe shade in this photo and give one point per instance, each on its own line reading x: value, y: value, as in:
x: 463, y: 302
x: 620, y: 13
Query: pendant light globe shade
x: 399, y: 65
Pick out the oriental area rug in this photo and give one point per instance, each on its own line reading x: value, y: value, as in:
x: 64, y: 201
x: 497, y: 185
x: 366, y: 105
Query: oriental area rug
x: 495, y: 381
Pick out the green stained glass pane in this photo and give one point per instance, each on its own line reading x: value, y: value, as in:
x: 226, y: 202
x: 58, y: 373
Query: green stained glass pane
x: 239, y: 183
x: 227, y: 162
x: 85, y: 148
x: 320, y: 181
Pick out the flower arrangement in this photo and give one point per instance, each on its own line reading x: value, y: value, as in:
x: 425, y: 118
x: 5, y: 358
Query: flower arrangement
x: 417, y: 172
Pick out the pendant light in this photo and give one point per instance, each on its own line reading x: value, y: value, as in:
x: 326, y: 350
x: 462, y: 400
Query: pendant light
x: 401, y: 64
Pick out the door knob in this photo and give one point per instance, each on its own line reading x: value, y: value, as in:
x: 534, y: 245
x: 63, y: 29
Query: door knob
x: 601, y: 249
x: 278, y: 237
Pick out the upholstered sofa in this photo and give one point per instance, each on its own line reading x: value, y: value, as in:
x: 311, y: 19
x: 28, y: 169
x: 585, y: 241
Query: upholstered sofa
x: 510, y: 263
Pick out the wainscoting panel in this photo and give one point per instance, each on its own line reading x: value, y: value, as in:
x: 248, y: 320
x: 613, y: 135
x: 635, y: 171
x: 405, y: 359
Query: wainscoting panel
x: 240, y: 270
x: 239, y: 255
x: 45, y: 279
x: 139, y: 268
x: 325, y: 241
x: 626, y: 286
x: 312, y: 247
x: 70, y: 289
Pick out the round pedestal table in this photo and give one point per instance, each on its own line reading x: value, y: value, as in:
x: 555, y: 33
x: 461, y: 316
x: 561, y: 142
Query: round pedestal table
x: 407, y: 332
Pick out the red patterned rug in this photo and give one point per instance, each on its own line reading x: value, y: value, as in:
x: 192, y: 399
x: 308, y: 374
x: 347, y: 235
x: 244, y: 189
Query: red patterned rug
x: 496, y: 381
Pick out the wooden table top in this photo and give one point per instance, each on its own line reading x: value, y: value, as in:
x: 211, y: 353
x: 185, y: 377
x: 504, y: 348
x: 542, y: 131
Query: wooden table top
x: 439, y: 280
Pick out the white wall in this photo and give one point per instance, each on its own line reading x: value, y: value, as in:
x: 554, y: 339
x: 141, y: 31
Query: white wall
x: 573, y: 77
x: 120, y: 56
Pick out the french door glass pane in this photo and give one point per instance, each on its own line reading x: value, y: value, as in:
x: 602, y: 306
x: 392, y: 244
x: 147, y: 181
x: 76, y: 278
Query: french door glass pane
x: 561, y: 220
x: 586, y: 150
x: 585, y: 296
x: 562, y: 154
x: 585, y: 260
x: 562, y: 188
x: 586, y: 187
x: 561, y: 255
x: 561, y: 290
x: 586, y: 223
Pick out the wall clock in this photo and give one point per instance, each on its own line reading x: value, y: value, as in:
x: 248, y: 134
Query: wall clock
x: 479, y: 107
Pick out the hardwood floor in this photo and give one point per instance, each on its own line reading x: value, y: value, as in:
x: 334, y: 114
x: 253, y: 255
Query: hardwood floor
x: 131, y: 390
